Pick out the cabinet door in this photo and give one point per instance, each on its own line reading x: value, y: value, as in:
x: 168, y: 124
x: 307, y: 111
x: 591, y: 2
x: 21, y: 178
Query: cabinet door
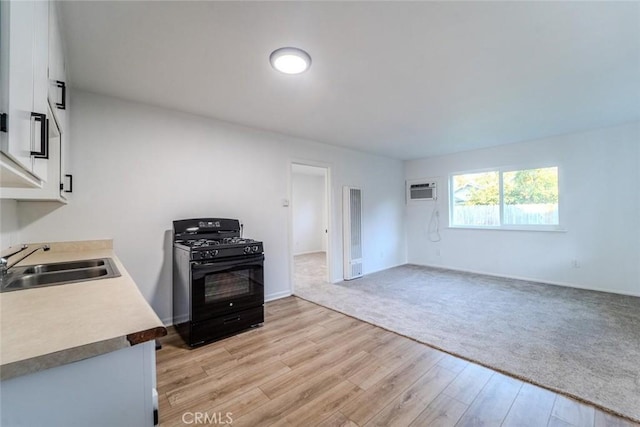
x: 57, y: 72
x: 65, y: 184
x: 50, y: 190
x: 56, y: 59
x: 19, y: 18
x: 4, y: 69
x: 41, y: 75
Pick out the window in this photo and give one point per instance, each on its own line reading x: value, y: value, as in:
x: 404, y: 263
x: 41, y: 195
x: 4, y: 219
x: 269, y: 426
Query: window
x: 524, y: 198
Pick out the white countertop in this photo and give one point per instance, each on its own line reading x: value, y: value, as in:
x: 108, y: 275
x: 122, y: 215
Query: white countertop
x: 51, y: 326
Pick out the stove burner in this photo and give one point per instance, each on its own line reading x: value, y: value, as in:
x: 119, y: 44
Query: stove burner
x: 207, y: 245
x: 236, y: 241
x: 202, y: 243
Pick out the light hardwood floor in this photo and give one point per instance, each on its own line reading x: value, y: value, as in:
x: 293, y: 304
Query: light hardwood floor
x: 309, y: 366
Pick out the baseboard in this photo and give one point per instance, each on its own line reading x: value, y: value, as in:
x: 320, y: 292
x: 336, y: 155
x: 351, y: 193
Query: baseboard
x: 532, y: 279
x: 339, y: 280
x: 384, y: 268
x: 277, y: 295
x: 309, y: 252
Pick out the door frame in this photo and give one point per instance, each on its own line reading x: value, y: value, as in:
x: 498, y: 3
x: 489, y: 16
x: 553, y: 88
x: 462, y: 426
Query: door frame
x: 328, y: 194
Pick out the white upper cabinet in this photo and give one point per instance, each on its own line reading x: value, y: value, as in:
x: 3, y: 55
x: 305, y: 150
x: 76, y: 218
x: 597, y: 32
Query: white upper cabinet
x: 58, y: 95
x: 34, y: 144
x: 18, y: 32
x: 25, y: 55
x: 41, y: 85
x: 50, y: 190
x: 57, y: 70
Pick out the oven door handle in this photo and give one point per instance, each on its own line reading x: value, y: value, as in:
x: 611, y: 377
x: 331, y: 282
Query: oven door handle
x: 217, y: 266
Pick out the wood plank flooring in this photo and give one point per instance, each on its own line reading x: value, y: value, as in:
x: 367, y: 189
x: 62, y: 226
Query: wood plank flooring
x: 311, y: 366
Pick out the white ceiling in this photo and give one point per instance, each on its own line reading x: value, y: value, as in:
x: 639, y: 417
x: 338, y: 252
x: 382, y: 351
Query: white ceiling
x: 401, y: 79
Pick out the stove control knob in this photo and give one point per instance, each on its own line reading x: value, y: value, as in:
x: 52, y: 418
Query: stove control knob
x: 255, y: 248
x: 206, y: 254
x: 214, y: 252
x: 247, y: 249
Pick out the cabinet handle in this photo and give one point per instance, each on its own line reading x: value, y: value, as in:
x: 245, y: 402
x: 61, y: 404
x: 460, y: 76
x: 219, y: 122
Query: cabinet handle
x: 70, y: 190
x: 63, y: 104
x: 44, y: 135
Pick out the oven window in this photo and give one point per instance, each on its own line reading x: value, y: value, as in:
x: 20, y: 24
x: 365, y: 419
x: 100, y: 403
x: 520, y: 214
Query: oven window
x: 226, y: 285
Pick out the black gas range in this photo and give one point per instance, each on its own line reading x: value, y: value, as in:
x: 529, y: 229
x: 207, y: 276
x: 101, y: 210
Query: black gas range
x: 218, y: 279
x: 209, y: 249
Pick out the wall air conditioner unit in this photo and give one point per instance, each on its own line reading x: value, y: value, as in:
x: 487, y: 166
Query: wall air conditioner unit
x: 421, y: 190
x: 352, y: 232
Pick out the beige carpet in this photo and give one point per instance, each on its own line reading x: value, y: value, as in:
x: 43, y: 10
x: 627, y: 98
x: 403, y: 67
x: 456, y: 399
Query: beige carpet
x: 580, y: 343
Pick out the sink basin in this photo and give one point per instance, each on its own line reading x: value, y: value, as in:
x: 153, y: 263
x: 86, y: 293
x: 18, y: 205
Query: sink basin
x: 41, y: 275
x: 32, y: 280
x: 58, y: 266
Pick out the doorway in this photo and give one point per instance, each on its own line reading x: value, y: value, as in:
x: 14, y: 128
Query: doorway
x: 310, y: 220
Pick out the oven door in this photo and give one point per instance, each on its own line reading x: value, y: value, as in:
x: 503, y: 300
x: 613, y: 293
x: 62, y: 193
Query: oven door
x: 225, y: 286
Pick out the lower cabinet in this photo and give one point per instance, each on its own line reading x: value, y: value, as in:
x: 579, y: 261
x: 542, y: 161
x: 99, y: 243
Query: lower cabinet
x: 113, y: 389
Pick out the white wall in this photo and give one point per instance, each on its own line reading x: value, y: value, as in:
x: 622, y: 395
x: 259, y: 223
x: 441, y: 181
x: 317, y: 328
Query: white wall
x: 9, y: 230
x: 308, y: 209
x: 136, y: 168
x: 599, y: 208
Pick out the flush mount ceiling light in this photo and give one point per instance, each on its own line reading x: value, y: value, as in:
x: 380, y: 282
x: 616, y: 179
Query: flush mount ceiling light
x: 290, y: 60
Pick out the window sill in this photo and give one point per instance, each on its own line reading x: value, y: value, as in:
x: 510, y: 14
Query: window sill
x: 536, y: 228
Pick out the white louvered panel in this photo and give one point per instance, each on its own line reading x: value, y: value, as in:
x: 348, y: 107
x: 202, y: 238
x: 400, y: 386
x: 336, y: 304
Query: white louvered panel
x: 352, y: 227
x: 356, y: 223
x: 356, y: 269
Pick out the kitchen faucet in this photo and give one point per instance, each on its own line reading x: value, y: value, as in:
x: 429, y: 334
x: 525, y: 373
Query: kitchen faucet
x: 4, y: 261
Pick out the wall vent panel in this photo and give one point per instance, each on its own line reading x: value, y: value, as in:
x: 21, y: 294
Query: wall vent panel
x: 352, y: 230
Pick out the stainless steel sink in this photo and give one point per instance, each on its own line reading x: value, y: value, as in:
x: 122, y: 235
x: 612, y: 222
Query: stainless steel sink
x: 41, y: 275
x: 58, y: 266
